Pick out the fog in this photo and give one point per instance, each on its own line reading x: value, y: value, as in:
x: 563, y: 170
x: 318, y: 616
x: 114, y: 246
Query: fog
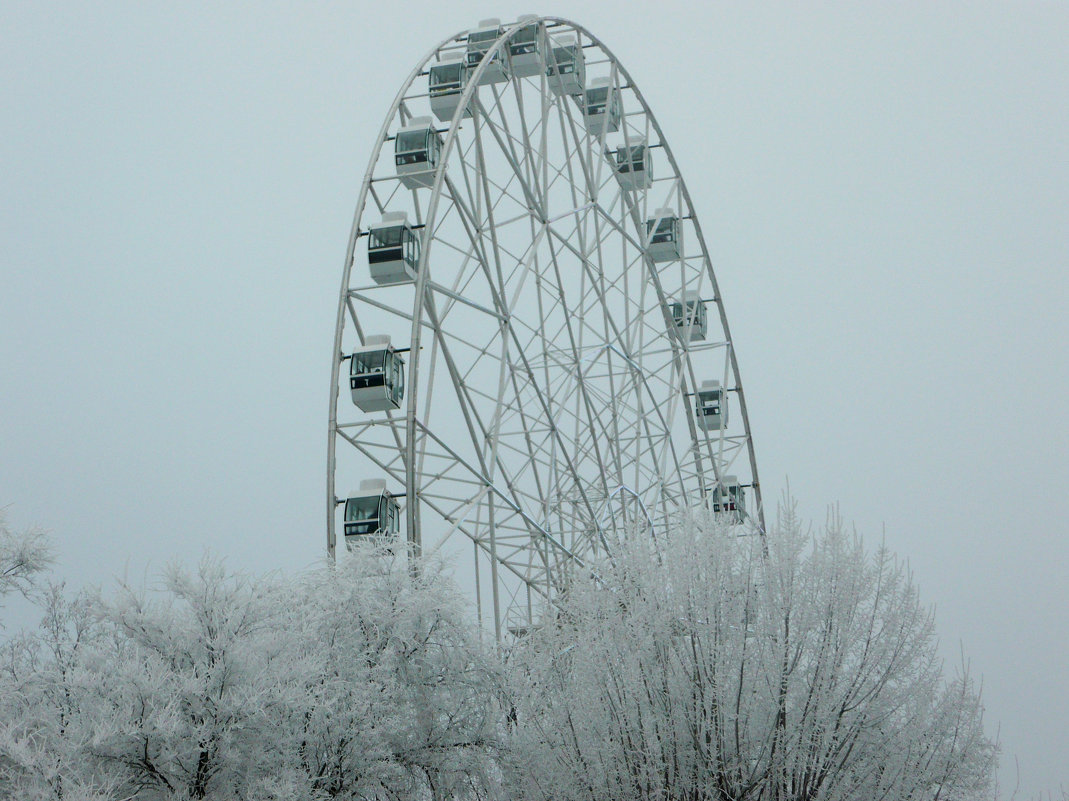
x: 884, y: 192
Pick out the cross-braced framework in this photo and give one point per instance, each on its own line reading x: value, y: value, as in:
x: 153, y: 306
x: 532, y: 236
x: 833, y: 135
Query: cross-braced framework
x: 568, y: 368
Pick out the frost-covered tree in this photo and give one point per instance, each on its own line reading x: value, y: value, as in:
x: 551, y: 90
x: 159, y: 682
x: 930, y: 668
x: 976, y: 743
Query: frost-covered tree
x: 392, y: 695
x: 701, y: 668
x: 39, y: 677
x: 362, y: 681
x: 23, y: 556
x: 180, y: 682
x: 46, y: 706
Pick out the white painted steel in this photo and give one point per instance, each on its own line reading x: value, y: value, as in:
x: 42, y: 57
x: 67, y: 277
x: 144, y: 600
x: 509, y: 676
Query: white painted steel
x: 549, y: 406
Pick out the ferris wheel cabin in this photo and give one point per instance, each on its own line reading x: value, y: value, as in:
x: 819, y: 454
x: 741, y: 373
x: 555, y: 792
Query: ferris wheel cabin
x: 480, y: 41
x: 634, y: 167
x: 393, y: 250
x: 689, y: 317
x: 527, y: 49
x: 371, y: 511
x: 729, y: 499
x: 445, y: 83
x: 601, y: 106
x: 665, y: 235
x: 710, y: 406
x: 566, y: 66
x: 417, y: 149
x: 377, y: 376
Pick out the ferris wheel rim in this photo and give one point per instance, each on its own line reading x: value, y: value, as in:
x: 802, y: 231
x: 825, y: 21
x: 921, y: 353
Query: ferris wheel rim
x: 350, y: 254
x: 468, y: 95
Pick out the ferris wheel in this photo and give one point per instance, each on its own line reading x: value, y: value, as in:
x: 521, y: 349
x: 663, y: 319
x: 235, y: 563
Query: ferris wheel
x: 532, y: 357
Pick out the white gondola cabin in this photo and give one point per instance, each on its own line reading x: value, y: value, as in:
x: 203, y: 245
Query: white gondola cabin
x: 445, y: 83
x: 377, y: 375
x: 565, y: 65
x: 665, y: 236
x: 710, y: 406
x: 634, y: 166
x: 371, y: 511
x: 689, y: 317
x: 480, y: 41
x: 729, y: 499
x: 417, y: 149
x: 601, y: 106
x: 393, y: 250
x: 527, y: 49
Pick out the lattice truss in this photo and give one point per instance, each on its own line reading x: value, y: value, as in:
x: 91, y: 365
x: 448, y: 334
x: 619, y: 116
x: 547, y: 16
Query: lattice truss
x: 549, y: 404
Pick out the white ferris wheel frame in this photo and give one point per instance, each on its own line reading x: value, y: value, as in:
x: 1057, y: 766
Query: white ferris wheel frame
x: 410, y: 436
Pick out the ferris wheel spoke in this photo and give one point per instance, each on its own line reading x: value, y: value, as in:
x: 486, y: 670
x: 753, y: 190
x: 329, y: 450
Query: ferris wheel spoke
x: 533, y: 157
x: 582, y: 395
x: 484, y: 180
x: 521, y: 217
x: 375, y: 197
x: 357, y: 295
x: 356, y: 322
x: 507, y: 144
x: 468, y: 255
x: 597, y: 292
x: 561, y: 174
x: 482, y: 545
x: 472, y: 227
x: 477, y: 430
x: 535, y: 433
x: 463, y: 276
x: 388, y: 466
x: 526, y: 205
x: 459, y: 298
x: 489, y: 462
x: 503, y: 201
x: 507, y: 371
x: 549, y: 404
x: 579, y: 144
x: 530, y: 525
x: 564, y: 453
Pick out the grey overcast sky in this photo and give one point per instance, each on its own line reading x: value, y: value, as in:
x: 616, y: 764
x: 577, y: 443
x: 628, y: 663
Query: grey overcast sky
x: 885, y: 191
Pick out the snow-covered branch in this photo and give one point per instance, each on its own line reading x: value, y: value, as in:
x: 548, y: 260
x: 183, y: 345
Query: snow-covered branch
x: 699, y: 668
